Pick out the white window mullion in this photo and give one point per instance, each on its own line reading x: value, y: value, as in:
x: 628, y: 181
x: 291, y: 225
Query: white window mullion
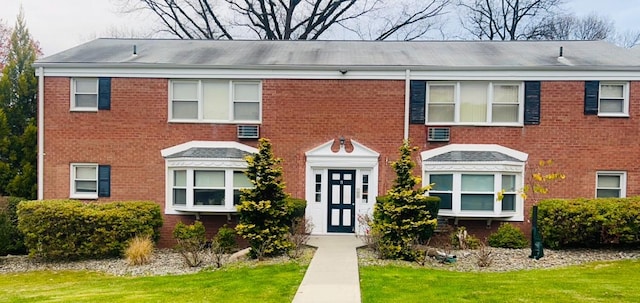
x: 456, y: 106
x: 490, y: 103
x: 456, y: 199
x: 200, y: 101
x: 190, y: 188
x: 228, y: 188
x: 497, y: 186
x: 231, y: 103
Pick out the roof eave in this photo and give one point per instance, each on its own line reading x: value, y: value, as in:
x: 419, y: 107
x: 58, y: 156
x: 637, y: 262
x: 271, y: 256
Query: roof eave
x: 340, y: 67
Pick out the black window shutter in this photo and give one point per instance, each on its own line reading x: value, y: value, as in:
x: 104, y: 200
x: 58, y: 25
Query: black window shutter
x: 104, y: 93
x: 532, y: 102
x: 418, y: 90
x: 591, y: 90
x: 104, y: 181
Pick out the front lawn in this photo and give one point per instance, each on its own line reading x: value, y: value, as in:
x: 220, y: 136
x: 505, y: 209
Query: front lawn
x: 264, y: 283
x: 593, y: 282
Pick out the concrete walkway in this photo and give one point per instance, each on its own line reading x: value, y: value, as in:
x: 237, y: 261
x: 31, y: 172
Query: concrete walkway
x: 332, y: 275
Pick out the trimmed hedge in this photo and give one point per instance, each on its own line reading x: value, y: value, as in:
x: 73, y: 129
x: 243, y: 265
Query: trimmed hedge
x: 589, y: 222
x: 69, y: 229
x: 11, y: 240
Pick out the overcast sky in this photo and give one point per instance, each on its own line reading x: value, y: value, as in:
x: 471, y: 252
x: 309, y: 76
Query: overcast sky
x: 62, y: 24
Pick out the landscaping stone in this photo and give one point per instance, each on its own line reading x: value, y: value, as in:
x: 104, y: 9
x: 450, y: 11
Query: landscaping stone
x: 510, y: 259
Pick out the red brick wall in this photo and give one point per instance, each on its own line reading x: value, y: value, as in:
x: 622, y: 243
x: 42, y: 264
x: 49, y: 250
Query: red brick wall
x: 299, y: 115
x: 579, y: 144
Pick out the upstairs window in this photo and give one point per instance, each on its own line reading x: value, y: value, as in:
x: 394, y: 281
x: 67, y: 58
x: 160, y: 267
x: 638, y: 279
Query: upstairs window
x: 85, y: 94
x: 613, y: 99
x: 90, y: 94
x: 474, y: 102
x: 214, y: 101
x: 606, y: 99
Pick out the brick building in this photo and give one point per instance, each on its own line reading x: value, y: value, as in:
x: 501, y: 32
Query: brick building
x: 171, y: 120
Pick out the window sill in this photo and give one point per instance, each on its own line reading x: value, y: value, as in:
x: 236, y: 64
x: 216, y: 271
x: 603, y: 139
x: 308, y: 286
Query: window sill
x: 84, y: 109
x: 213, y: 122
x: 84, y: 196
x: 204, y: 209
x: 475, y: 124
x: 476, y: 214
x: 623, y: 115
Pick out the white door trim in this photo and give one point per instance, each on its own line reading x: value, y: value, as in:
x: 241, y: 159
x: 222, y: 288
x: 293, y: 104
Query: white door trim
x: 319, y: 161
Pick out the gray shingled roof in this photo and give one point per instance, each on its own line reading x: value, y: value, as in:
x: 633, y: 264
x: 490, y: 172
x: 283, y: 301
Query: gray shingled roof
x: 472, y: 156
x: 399, y: 55
x: 211, y: 153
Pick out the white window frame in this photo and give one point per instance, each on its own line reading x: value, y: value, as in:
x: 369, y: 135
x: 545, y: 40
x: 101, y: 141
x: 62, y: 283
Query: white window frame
x: 623, y: 182
x: 490, y: 101
x: 74, y: 194
x: 190, y: 205
x: 514, y: 167
x: 625, y: 101
x: 200, y: 94
x: 72, y: 100
x: 457, y: 192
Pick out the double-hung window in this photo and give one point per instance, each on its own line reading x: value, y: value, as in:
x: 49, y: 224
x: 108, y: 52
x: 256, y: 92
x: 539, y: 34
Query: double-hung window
x: 613, y: 99
x: 611, y: 184
x: 84, y: 94
x: 213, y: 100
x: 475, y: 102
x: 90, y: 181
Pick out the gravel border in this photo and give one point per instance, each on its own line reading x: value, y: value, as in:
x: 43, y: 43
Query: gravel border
x: 169, y: 262
x: 163, y: 262
x: 508, y: 259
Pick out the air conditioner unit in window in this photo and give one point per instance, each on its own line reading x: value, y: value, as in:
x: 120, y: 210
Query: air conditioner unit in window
x: 248, y: 132
x: 438, y: 134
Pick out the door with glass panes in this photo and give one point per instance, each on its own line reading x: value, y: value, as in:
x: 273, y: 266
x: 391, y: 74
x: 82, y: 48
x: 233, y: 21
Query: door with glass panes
x: 342, y: 194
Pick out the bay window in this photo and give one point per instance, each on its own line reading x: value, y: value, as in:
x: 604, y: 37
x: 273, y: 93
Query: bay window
x: 476, y: 180
x: 205, y: 176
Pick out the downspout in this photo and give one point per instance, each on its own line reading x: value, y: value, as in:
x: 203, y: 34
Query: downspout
x: 407, y: 97
x: 40, y: 133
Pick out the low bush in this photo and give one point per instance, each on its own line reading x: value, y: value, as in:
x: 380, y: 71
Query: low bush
x: 589, y: 222
x: 11, y: 239
x: 226, y: 239
x: 69, y: 229
x: 191, y: 242
x: 139, y: 250
x: 461, y: 239
x: 508, y: 236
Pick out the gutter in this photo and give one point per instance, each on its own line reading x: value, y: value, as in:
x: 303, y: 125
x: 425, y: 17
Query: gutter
x: 40, y: 133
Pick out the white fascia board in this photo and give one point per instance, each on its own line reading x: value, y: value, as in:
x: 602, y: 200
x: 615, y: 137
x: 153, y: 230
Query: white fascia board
x: 527, y: 75
x: 474, y: 147
x: 207, y: 144
x: 370, y: 74
x: 185, y: 73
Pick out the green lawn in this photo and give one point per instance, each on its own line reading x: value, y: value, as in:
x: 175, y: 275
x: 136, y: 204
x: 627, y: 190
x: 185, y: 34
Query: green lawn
x: 594, y: 282
x: 264, y: 283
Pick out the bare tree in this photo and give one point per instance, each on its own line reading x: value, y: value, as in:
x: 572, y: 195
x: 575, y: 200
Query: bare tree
x: 290, y: 19
x: 570, y: 27
x: 627, y: 39
x: 506, y: 19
